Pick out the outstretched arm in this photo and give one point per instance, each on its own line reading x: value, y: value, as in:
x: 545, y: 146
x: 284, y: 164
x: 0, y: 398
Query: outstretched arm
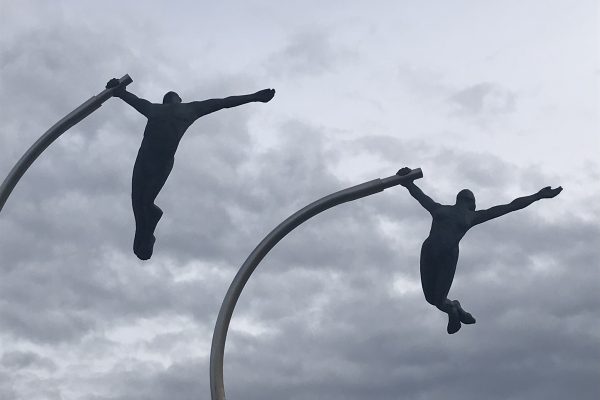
x: 516, y: 204
x: 417, y: 193
x: 209, y: 106
x: 141, y: 105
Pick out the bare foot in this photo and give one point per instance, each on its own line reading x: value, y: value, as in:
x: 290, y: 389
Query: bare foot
x: 464, y: 316
x: 145, y: 247
x: 453, y: 321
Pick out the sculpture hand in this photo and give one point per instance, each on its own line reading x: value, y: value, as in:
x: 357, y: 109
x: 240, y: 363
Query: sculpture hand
x: 548, y: 192
x: 114, y: 82
x: 264, y: 95
x: 405, y: 171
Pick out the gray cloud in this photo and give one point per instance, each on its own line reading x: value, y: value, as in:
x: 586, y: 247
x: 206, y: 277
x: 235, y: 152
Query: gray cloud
x: 481, y: 101
x: 483, y: 98
x: 18, y: 360
x: 310, y: 52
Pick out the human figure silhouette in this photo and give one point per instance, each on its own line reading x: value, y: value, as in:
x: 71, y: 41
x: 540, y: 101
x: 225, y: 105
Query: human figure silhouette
x: 439, y: 253
x: 167, y: 122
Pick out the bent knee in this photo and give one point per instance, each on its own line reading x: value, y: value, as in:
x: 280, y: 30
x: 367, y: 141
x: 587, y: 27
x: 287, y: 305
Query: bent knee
x: 433, y: 300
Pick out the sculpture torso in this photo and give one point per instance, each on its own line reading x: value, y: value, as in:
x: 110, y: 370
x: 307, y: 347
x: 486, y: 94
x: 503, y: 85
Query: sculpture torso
x: 166, y: 125
x: 450, y: 223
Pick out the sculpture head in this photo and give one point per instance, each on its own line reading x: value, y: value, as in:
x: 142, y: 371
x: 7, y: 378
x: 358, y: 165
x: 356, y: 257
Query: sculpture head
x: 171, y: 98
x: 466, y: 198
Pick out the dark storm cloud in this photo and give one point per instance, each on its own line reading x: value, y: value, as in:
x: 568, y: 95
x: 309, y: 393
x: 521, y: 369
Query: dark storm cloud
x: 18, y: 360
x: 7, y: 390
x: 141, y: 381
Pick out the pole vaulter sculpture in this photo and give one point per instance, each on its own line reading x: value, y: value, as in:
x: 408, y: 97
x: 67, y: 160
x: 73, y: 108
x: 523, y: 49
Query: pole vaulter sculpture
x: 439, y: 253
x: 167, y: 122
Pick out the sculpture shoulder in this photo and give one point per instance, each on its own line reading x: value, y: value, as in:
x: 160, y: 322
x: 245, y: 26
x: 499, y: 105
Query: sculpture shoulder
x: 182, y: 111
x: 452, y: 215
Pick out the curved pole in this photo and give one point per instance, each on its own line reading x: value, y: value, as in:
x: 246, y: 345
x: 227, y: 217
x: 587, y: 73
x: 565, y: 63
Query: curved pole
x: 217, y: 388
x: 52, y: 134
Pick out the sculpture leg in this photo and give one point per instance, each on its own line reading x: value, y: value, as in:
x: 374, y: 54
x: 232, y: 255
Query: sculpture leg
x: 143, y: 241
x: 146, y: 220
x: 155, y: 184
x: 138, y: 208
x: 148, y: 180
x: 437, y: 273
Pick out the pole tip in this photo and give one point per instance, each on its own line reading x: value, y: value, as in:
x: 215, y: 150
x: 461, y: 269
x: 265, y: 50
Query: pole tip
x: 125, y: 80
x: 417, y: 173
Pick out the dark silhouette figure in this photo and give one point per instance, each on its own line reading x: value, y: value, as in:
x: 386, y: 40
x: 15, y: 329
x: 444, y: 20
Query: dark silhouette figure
x: 167, y: 122
x: 439, y: 253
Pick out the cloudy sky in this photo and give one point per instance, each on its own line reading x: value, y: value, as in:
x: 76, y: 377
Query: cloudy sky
x: 498, y: 97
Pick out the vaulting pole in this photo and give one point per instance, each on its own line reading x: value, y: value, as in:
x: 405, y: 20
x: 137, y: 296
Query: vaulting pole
x: 52, y: 134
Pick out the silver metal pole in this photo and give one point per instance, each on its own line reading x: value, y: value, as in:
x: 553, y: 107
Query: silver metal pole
x: 52, y: 134
x: 217, y: 388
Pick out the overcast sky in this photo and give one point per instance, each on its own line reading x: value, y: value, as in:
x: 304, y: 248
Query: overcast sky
x: 498, y: 97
